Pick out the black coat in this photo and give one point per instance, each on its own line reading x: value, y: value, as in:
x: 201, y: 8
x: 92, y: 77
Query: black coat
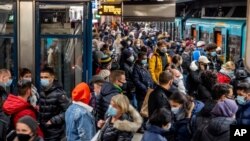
x: 203, y: 93
x: 186, y: 62
x: 142, y: 80
x: 218, y: 129
x: 52, y: 106
x: 108, y: 90
x: 158, y: 99
x: 4, y: 125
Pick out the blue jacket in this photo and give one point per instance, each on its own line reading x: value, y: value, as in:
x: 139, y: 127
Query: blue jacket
x: 80, y: 123
x: 154, y: 133
x: 243, y: 114
x: 142, y: 80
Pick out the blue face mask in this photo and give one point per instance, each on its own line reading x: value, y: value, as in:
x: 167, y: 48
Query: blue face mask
x: 241, y: 100
x: 9, y: 82
x: 175, y: 110
x: 111, y: 111
x: 45, y: 82
x: 213, y: 53
x: 144, y: 62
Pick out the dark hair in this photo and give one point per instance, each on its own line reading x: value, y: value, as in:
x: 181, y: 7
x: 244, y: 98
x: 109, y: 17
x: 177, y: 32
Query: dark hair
x: 49, y: 70
x: 165, y: 77
x: 182, y: 99
x: 244, y: 86
x: 24, y: 71
x: 211, y: 46
x: 141, y: 54
x: 208, y: 79
x: 23, y: 86
x: 160, y: 117
x: 161, y: 43
x: 176, y: 59
x: 116, y: 74
x: 219, y: 90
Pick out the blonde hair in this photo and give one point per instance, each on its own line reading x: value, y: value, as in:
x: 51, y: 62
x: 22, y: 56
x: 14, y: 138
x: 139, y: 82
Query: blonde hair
x: 229, y: 65
x: 122, y: 102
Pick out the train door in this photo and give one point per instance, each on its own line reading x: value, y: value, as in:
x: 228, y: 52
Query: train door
x: 193, y: 32
x: 220, y: 39
x: 8, y: 38
x: 62, y: 41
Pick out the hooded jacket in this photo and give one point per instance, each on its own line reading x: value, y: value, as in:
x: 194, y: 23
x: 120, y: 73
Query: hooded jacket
x: 154, y: 133
x: 218, y: 129
x: 108, y: 90
x: 243, y: 114
x: 123, y: 129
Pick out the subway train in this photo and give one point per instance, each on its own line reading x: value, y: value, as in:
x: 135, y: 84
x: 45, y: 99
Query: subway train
x: 229, y: 34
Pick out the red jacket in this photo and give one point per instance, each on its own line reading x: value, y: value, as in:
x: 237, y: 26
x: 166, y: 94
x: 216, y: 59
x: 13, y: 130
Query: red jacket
x: 17, y: 108
x: 223, y: 78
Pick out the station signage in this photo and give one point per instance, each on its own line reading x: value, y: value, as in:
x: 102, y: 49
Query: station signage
x: 110, y: 10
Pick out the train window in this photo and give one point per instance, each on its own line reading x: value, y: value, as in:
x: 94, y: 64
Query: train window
x: 65, y: 56
x: 6, y: 55
x: 58, y: 19
x: 6, y: 19
x: 204, y: 36
x: 234, y: 44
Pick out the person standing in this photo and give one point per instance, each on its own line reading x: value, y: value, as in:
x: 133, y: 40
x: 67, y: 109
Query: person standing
x: 52, y: 106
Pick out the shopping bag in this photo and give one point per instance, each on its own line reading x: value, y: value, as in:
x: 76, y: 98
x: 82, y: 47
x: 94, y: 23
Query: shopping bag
x: 144, y: 108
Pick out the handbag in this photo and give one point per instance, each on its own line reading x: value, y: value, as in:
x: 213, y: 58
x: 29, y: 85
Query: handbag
x: 144, y: 108
x: 98, y: 135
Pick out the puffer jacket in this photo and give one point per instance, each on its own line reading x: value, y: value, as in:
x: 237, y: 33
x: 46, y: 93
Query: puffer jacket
x: 243, y: 114
x: 156, y: 66
x: 108, y: 90
x: 124, y: 128
x: 154, y: 133
x: 142, y: 81
x: 218, y: 129
x: 52, y: 106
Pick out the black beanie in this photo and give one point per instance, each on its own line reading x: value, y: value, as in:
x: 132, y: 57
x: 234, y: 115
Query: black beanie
x: 30, y: 122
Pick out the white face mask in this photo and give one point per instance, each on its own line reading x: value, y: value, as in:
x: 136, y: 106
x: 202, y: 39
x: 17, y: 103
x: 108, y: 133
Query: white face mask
x: 138, y: 45
x: 131, y: 58
x: 167, y: 128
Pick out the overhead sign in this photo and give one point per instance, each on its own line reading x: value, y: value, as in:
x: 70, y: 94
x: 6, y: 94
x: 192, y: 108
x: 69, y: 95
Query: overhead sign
x: 108, y: 9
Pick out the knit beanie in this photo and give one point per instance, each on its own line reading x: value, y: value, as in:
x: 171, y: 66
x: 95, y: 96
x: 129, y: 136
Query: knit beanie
x: 104, y: 73
x: 225, y: 108
x: 30, y: 122
x: 106, y: 59
x: 81, y: 93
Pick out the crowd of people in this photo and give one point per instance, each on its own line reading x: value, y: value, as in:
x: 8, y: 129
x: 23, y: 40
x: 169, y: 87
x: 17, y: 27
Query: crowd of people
x: 142, y: 82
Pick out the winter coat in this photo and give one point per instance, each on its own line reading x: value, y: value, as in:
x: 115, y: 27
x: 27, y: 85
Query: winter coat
x: 130, y: 87
x: 158, y: 99
x: 4, y: 125
x: 122, y: 129
x: 154, y: 133
x: 218, y: 129
x: 108, y: 90
x: 80, y: 123
x: 142, y: 81
x: 225, y: 76
x: 52, y: 106
x: 193, y: 79
x: 156, y: 66
x: 35, y: 139
x: 203, y: 93
x: 3, y: 94
x: 186, y: 62
x: 243, y: 114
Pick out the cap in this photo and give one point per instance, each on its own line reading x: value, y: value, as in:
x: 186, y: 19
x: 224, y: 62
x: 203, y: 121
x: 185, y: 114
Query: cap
x: 30, y: 122
x: 203, y: 59
x: 201, y: 44
x: 81, y: 93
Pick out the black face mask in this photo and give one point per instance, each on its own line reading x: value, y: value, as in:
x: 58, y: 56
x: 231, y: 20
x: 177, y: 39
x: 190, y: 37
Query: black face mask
x: 23, y: 137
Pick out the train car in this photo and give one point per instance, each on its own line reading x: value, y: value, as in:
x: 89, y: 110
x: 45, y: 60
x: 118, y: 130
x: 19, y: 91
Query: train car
x: 229, y: 34
x: 178, y: 28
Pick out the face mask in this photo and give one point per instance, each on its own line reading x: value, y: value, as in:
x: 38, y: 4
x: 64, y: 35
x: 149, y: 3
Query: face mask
x: 129, y: 43
x: 175, y: 110
x: 164, y: 49
x: 241, y: 100
x: 152, y: 38
x: 213, y: 54
x: 144, y: 62
x: 23, y: 137
x: 131, y: 59
x: 111, y: 111
x: 167, y: 128
x: 8, y: 83
x: 45, y: 82
x: 27, y: 79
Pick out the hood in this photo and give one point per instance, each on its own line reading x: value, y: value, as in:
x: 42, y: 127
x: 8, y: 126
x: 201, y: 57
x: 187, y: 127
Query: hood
x: 194, y: 66
x: 155, y: 129
x: 14, y: 104
x: 81, y: 93
x: 220, y: 125
x: 109, y: 88
x: 129, y: 126
x: 198, y: 106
